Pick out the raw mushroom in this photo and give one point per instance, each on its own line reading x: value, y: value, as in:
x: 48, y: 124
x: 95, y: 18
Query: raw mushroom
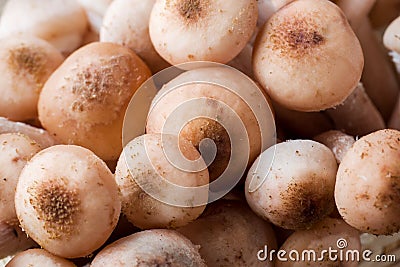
x: 337, y: 141
x: 126, y: 22
x: 296, y: 189
x: 229, y: 234
x: 26, y: 63
x: 144, y: 168
x: 40, y: 136
x: 95, y: 10
x: 150, y: 248
x: 184, y: 30
x: 38, y: 258
x: 368, y: 183
x: 357, y: 115
x: 301, y: 56
x: 67, y: 200
x: 84, y: 100
x: 61, y: 23
x: 15, y: 151
x: 330, y: 235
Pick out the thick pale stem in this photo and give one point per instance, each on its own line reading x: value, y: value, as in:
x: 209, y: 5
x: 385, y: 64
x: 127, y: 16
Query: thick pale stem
x: 379, y: 77
x: 357, y: 115
x: 356, y: 10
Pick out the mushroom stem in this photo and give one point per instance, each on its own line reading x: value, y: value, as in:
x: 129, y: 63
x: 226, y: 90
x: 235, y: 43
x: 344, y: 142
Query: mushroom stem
x: 356, y: 10
x: 12, y: 240
x: 379, y: 78
x: 357, y: 115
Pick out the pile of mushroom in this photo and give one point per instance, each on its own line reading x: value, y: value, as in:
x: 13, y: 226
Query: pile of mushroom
x: 197, y: 132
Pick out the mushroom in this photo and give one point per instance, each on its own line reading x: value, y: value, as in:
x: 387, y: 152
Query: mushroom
x: 191, y: 23
x: 25, y: 65
x: 301, y: 56
x: 327, y: 235
x: 291, y: 184
x: 95, y: 10
x: 156, y: 191
x: 368, y: 183
x: 38, y: 258
x: 67, y: 200
x: 357, y: 115
x: 150, y: 248
x: 13, y: 240
x: 126, y: 22
x: 84, y: 100
x: 229, y: 234
x: 40, y: 136
x: 337, y: 141
x: 61, y: 23
x: 15, y: 151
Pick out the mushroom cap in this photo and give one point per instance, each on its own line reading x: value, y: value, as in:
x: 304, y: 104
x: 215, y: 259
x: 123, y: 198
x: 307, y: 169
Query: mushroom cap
x: 391, y: 36
x: 150, y: 248
x: 201, y: 30
x: 67, y: 200
x: 299, y: 184
x: 367, y: 190
x: 61, y: 23
x: 95, y: 10
x: 126, y: 22
x: 307, y: 56
x: 84, y: 100
x: 27, y: 62
x: 38, y: 258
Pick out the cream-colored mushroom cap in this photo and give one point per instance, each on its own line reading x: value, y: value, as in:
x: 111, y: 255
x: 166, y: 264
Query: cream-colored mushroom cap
x: 61, y: 23
x: 307, y: 57
x: 205, y: 30
x: 391, y: 37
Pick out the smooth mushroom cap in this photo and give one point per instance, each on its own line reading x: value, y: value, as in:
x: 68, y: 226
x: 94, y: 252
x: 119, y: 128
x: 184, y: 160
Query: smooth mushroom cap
x: 150, y: 248
x: 367, y: 191
x: 391, y: 36
x: 307, y: 56
x: 95, y: 10
x: 126, y: 22
x: 38, y: 258
x: 205, y: 30
x: 27, y: 62
x: 61, y: 23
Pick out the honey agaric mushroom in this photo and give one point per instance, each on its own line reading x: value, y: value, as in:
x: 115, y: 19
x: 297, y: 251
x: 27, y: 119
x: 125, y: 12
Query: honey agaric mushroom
x: 61, y: 23
x: 126, y: 22
x: 26, y: 62
x: 84, y: 100
x: 368, y: 183
x: 201, y: 30
x: 38, y: 258
x: 297, y: 189
x: 301, y: 56
x: 67, y: 200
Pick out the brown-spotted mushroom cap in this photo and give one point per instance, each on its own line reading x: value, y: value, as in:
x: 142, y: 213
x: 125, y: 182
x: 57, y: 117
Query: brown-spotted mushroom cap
x: 307, y: 57
x: 38, y: 258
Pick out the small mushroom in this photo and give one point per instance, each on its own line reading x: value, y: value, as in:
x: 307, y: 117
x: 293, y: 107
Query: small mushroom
x: 150, y: 248
x: 61, y: 23
x: 67, y: 200
x: 296, y: 184
x: 38, y: 258
x: 126, y: 22
x: 301, y: 56
x: 26, y: 63
x: 84, y: 100
x: 95, y: 10
x: 367, y: 191
x: 337, y: 141
x: 185, y: 30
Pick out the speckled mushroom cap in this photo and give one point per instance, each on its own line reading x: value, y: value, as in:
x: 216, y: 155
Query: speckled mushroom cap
x: 67, y: 200
x: 307, y: 57
x: 38, y: 258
